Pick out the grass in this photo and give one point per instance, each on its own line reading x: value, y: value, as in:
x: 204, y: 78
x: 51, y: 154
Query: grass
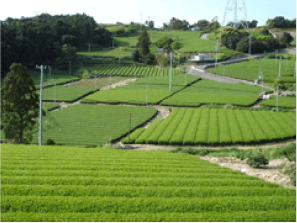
x: 54, y: 183
x: 250, y: 70
x: 50, y: 106
x: 190, y: 42
x: 219, y: 126
x: 91, y: 125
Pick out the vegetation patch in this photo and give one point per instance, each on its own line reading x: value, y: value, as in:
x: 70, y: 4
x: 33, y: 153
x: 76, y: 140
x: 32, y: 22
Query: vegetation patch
x: 220, y: 126
x: 97, y: 184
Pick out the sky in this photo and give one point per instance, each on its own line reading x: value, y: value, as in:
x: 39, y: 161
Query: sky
x: 160, y: 11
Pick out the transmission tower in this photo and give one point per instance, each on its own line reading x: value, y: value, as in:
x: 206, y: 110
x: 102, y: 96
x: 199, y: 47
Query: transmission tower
x: 235, y: 13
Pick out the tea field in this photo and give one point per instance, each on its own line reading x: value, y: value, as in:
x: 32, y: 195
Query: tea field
x: 65, y: 93
x: 54, y: 183
x: 91, y: 125
x: 287, y: 102
x: 216, y: 126
x: 50, y: 106
x: 138, y: 71
x: 250, y: 70
x: 132, y: 94
x: 213, y: 92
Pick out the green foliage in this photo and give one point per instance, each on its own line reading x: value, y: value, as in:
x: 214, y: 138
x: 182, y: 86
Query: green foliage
x: 143, y: 43
x: 176, y: 45
x: 220, y: 126
x: 286, y: 38
x: 265, y: 32
x: 230, y: 37
x: 19, y: 105
x: 163, y: 41
x: 150, y: 59
x: 136, y: 55
x: 257, y: 160
x: 50, y: 142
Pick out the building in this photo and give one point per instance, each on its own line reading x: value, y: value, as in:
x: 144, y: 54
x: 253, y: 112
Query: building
x: 202, y: 57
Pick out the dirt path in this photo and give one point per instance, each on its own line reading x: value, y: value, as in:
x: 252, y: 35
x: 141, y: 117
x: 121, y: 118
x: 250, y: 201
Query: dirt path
x: 121, y: 83
x: 270, y: 173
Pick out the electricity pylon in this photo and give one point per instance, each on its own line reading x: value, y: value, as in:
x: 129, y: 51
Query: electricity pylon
x: 235, y: 13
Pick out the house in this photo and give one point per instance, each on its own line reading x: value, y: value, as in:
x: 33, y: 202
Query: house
x: 202, y: 57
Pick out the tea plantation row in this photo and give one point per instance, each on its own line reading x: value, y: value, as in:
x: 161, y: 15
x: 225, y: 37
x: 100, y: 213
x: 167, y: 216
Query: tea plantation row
x: 96, y: 184
x: 216, y: 126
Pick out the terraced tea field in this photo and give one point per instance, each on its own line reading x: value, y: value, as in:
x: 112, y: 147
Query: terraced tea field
x: 250, y: 70
x: 53, y: 183
x: 91, y: 125
x: 65, y: 93
x: 213, y: 92
x: 140, y: 71
x: 216, y: 126
x: 132, y: 94
x: 179, y: 79
x: 286, y: 102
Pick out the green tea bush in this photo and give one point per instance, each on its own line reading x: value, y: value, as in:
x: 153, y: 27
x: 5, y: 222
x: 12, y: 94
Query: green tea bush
x: 50, y: 142
x: 257, y: 159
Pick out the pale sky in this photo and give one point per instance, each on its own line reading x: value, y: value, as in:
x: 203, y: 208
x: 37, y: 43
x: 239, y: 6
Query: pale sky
x: 111, y: 11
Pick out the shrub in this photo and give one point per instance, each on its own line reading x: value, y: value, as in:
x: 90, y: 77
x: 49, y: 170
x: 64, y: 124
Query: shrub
x: 175, y: 45
x: 286, y: 38
x: 265, y: 32
x: 163, y: 40
x: 290, y: 151
x: 50, y: 142
x: 257, y: 159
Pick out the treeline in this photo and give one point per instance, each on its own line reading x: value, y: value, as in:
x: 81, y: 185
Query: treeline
x: 47, y: 39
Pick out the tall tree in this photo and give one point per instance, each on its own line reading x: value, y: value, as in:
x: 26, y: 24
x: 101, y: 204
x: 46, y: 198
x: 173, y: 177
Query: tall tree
x: 19, y: 105
x: 143, y: 43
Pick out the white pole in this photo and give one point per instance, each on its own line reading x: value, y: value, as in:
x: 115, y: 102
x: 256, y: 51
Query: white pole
x: 109, y: 81
x: 217, y: 53
x: 277, y: 97
x: 250, y: 45
x: 55, y: 90
x: 280, y: 65
x: 146, y: 92
x: 170, y: 75
x: 112, y: 44
x: 295, y: 74
x: 40, y: 103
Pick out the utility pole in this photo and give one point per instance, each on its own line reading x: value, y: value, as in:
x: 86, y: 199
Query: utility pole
x: 170, y: 75
x: 146, y: 92
x: 217, y: 49
x: 295, y: 73
x: 112, y: 44
x: 40, y: 103
x: 276, y: 98
x: 280, y: 65
x: 250, y: 45
x: 69, y: 68
x: 50, y: 72
x: 55, y: 90
x: 262, y: 77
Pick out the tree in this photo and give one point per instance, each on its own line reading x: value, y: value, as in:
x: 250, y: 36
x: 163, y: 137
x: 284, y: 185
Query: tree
x: 136, y: 55
x: 19, y: 104
x: 143, y: 43
x: 230, y: 37
x: 286, y: 38
x: 163, y: 40
x: 176, y: 45
x: 161, y: 59
x: 151, y: 24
